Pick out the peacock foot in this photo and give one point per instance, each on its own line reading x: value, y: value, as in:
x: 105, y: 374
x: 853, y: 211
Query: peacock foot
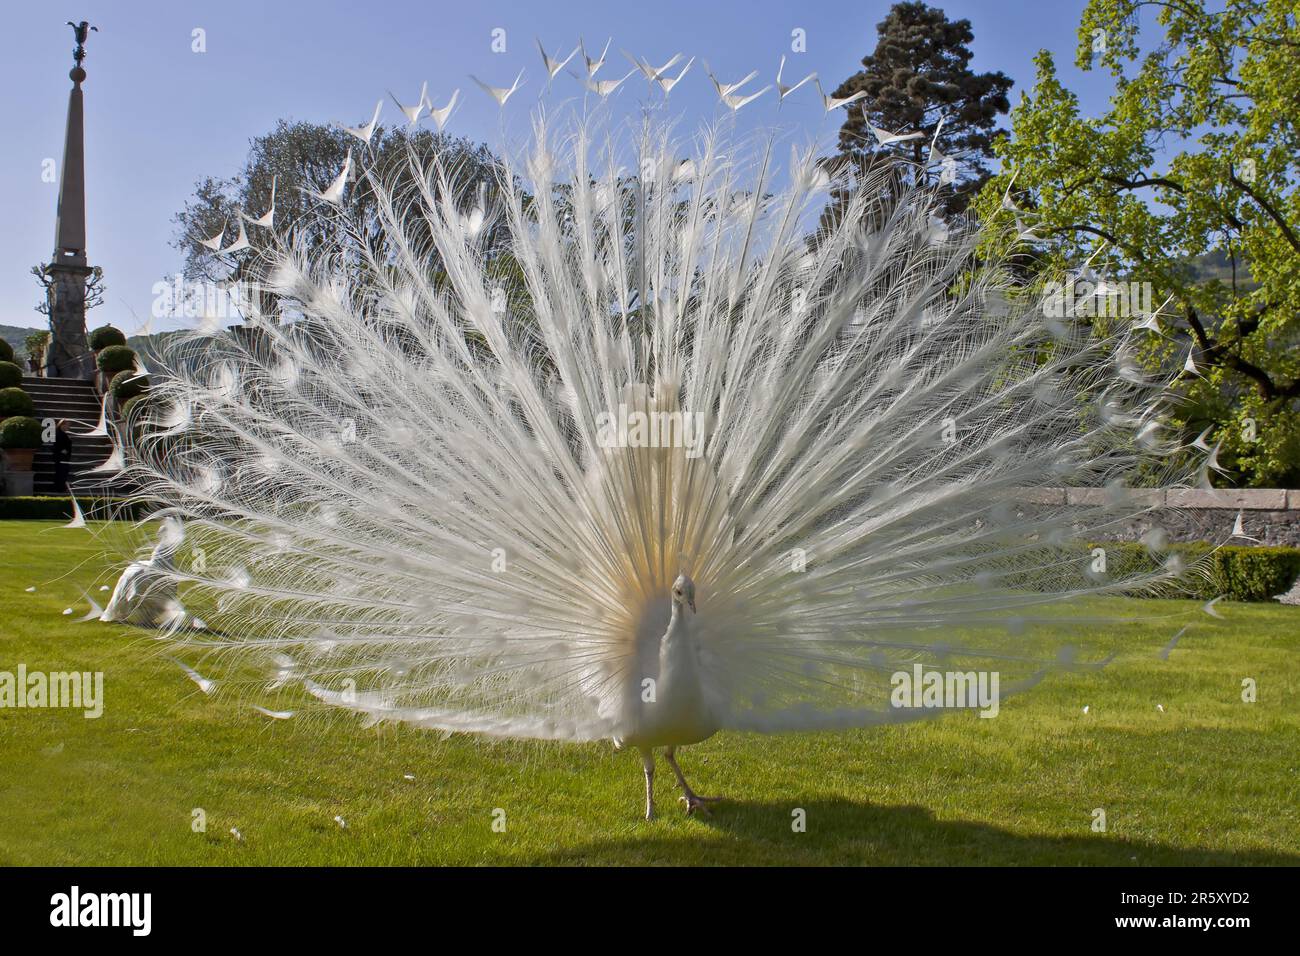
x: 695, y: 802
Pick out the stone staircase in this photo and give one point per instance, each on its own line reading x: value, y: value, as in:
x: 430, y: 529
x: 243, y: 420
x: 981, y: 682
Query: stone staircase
x: 78, y: 402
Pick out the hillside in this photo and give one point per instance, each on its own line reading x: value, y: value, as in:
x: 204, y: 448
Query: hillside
x: 16, y: 335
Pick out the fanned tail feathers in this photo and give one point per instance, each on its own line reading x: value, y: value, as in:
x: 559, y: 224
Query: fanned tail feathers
x: 431, y: 487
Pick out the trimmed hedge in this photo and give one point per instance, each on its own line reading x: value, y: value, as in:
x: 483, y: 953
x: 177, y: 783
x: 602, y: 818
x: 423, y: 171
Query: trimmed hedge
x: 11, y: 376
x: 53, y: 508
x: 114, y: 359
x: 131, y: 404
x: 135, y: 413
x: 1237, y: 573
x: 36, y: 344
x: 14, y: 401
x: 6, y: 351
x: 104, y: 336
x: 1251, y: 574
x: 127, y: 385
x: 20, y: 431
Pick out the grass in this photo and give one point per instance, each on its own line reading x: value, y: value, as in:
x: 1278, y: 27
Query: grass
x: 1210, y: 780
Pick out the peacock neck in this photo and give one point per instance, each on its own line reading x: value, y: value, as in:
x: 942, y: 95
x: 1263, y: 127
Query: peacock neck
x: 677, y: 638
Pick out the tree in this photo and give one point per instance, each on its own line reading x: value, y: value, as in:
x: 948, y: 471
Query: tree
x: 918, y: 76
x: 298, y: 156
x: 95, y: 288
x: 1194, y: 163
x: 35, y: 345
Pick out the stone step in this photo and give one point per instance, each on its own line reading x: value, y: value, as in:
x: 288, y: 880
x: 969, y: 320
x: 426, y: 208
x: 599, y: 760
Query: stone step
x: 80, y: 469
x: 65, y: 401
x: 82, y: 448
x: 58, y: 383
x: 80, y: 442
x: 81, y: 389
x: 77, y: 401
x: 87, y: 392
x: 86, y: 458
x: 65, y: 398
x: 91, y: 455
x: 86, y: 418
x: 77, y: 427
x: 111, y: 486
x: 81, y: 462
x: 91, y: 398
x: 82, y: 485
x: 78, y: 463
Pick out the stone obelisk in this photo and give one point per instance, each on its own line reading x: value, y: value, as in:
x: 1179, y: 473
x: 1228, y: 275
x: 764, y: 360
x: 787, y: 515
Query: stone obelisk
x: 68, y: 272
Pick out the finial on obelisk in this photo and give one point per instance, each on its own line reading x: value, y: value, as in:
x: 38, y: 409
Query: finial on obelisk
x: 80, y: 31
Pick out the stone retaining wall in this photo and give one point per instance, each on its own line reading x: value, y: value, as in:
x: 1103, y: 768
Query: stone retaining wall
x: 1270, y: 515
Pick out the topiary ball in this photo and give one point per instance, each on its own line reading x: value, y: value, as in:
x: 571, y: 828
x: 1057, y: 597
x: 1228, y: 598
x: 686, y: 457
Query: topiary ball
x: 6, y: 351
x: 114, y: 359
x: 20, y: 432
x: 106, y: 335
x: 127, y: 385
x: 135, y: 409
x: 11, y: 376
x: 14, y: 401
x: 137, y: 416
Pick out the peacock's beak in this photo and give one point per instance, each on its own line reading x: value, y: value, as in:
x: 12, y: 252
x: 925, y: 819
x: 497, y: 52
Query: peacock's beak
x: 692, y: 604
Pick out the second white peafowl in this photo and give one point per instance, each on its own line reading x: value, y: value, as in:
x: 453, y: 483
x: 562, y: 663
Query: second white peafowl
x: 640, y: 447
x: 145, y: 594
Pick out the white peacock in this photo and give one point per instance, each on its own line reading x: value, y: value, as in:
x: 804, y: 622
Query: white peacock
x: 408, y: 501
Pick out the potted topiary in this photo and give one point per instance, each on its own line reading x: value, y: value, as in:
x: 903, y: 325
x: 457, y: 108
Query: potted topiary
x: 6, y: 351
x: 11, y: 376
x: 20, y: 436
x: 127, y: 385
x: 36, y: 344
x: 111, y: 360
x: 104, y: 336
x: 14, y: 401
x: 135, y: 415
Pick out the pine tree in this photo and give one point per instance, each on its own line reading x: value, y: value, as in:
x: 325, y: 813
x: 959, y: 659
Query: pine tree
x: 917, y: 77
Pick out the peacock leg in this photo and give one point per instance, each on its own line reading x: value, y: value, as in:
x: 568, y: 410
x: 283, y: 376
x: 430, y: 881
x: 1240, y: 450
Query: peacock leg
x: 689, y: 797
x: 648, y: 762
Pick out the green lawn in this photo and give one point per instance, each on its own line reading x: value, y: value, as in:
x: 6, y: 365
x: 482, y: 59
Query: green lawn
x: 1210, y: 780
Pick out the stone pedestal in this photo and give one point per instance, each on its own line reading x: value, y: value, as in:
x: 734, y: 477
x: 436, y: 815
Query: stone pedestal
x: 19, y: 484
x: 68, y: 355
x: 16, y: 475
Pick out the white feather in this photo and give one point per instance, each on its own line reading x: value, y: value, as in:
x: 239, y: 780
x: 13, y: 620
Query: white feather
x: 484, y: 554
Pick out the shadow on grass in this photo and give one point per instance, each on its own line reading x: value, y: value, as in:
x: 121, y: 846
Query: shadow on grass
x: 844, y: 833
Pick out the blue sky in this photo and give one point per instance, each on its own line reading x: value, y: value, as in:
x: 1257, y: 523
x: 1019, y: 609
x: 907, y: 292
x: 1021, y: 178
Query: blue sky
x: 160, y: 116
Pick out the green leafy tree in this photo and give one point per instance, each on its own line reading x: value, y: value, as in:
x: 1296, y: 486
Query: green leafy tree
x: 1188, y: 180
x: 299, y: 157
x: 916, y: 78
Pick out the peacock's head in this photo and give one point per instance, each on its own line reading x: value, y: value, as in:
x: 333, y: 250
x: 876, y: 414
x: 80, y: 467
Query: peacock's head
x: 684, y: 591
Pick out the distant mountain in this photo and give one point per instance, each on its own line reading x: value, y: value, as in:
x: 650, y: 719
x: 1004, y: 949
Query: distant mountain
x: 150, y: 346
x: 1217, y: 265
x: 16, y: 335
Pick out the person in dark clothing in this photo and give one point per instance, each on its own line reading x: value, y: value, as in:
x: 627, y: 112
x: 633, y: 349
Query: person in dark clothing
x: 62, y: 455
